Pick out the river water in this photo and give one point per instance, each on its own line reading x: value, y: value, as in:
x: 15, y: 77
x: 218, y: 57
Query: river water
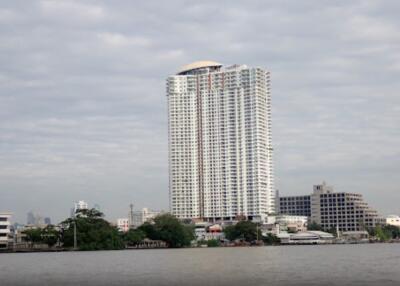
x: 369, y: 264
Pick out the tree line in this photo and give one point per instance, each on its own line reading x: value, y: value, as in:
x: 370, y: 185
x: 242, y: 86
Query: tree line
x: 93, y: 232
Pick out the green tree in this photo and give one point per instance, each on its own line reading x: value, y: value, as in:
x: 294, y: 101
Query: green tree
x: 333, y: 231
x: 50, y: 235
x: 382, y: 234
x: 314, y: 226
x: 134, y: 237
x: 92, y: 232
x: 213, y: 243
x: 371, y: 231
x: 271, y: 239
x: 245, y: 230
x: 33, y: 236
x: 392, y: 231
x: 149, y: 230
x: 168, y: 228
x: 230, y: 232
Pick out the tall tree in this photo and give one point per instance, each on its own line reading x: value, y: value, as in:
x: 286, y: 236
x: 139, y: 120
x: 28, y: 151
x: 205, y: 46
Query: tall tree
x: 134, y: 237
x: 50, y: 235
x: 33, y: 236
x: 168, y: 228
x: 245, y: 230
x: 92, y: 232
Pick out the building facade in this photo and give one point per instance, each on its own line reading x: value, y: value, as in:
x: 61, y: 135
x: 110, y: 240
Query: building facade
x: 80, y: 205
x: 295, y: 205
x: 5, y: 230
x: 220, y: 150
x: 142, y: 216
x: 292, y: 222
x: 342, y: 211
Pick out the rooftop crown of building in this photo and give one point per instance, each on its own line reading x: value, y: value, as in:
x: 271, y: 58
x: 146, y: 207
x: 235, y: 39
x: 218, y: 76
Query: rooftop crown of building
x: 198, y: 65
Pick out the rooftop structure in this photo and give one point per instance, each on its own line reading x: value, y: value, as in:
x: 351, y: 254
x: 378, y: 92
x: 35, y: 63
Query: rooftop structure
x: 197, y: 66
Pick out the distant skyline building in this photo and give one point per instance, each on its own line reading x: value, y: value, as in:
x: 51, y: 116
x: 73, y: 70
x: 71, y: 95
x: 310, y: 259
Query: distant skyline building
x: 220, y: 147
x: 47, y: 220
x: 34, y: 219
x: 142, y: 216
x: 30, y: 218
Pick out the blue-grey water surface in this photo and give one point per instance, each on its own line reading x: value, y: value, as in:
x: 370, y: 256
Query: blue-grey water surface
x: 372, y: 264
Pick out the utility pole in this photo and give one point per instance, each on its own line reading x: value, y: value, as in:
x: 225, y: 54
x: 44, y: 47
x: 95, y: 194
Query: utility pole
x: 131, y: 216
x: 75, y: 240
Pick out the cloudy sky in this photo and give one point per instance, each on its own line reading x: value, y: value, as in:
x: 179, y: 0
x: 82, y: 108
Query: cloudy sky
x: 83, y: 105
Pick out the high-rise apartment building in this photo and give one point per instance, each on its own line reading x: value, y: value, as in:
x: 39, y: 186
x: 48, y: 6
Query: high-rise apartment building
x: 220, y: 150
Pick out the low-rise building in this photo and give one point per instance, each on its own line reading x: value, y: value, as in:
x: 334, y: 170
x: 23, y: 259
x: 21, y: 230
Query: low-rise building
x: 306, y: 237
x: 292, y: 223
x: 354, y: 236
x: 208, y: 231
x: 393, y: 220
x: 6, y: 238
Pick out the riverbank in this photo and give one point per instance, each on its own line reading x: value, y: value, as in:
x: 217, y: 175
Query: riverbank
x: 61, y: 249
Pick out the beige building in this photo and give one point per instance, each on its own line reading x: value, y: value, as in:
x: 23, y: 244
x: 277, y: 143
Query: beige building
x: 5, y: 230
x: 341, y: 210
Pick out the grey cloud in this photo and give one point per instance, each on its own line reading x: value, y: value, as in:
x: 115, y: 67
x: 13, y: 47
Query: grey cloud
x: 83, y: 107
